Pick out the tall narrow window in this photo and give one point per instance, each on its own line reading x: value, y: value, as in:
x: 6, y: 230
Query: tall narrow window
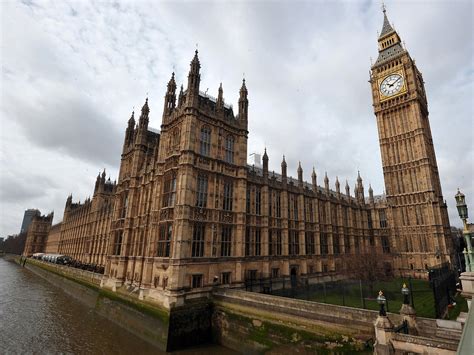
x: 247, y: 242
x: 123, y: 213
x: 226, y: 241
x: 201, y: 199
x: 258, y: 201
x: 347, y: 242
x: 228, y: 195
x: 309, y: 243
x: 293, y: 243
x: 229, y: 149
x: 118, y: 243
x: 205, y: 147
x: 271, y: 243
x: 164, y: 241
x: 295, y: 208
x: 336, y: 244
x: 198, y: 240
x: 248, y: 200
x: 324, y: 243
x: 385, y: 244
x: 278, y: 243
x: 278, y: 205
x: 169, y: 190
x: 270, y: 203
x: 258, y: 240
x: 383, y: 219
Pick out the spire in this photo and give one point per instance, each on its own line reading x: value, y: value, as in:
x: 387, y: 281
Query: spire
x: 313, y: 180
x: 172, y: 84
x: 181, y: 96
x: 130, y: 131
x: 386, y: 28
x: 300, y: 173
x: 220, y: 97
x: 170, y: 97
x: 348, y: 190
x: 371, y: 194
x: 131, y: 121
x: 194, y: 79
x: 265, y: 163
x: 283, y: 169
x: 143, y: 121
x: 389, y: 42
x: 338, y: 186
x: 326, y: 182
x: 243, y: 102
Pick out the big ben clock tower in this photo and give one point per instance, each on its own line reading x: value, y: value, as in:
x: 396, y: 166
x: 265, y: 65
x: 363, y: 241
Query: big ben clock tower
x: 417, y: 214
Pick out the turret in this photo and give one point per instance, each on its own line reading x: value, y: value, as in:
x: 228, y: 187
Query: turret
x: 338, y: 187
x: 97, y: 183
x: 265, y: 164
x: 170, y: 98
x: 130, y: 131
x: 143, y: 121
x: 181, y: 96
x: 348, y: 190
x: 243, y: 103
x: 69, y: 201
x: 220, y: 98
x: 326, y: 183
x: 300, y: 175
x: 143, y: 125
x: 360, y: 189
x: 371, y: 195
x: 194, y: 79
x: 314, y: 180
x: 283, y: 170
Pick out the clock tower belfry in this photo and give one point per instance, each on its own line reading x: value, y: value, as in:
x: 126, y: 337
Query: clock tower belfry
x: 417, y: 215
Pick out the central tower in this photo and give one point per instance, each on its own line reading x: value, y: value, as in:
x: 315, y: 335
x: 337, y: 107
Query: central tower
x: 417, y: 214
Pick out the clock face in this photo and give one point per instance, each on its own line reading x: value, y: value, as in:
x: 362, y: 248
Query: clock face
x: 391, y: 85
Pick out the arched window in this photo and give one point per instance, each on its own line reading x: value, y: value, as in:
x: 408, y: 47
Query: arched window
x: 229, y: 149
x: 205, y: 147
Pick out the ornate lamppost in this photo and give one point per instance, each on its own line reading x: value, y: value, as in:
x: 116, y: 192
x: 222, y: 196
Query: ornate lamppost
x: 405, y: 293
x: 381, y: 300
x: 463, y: 214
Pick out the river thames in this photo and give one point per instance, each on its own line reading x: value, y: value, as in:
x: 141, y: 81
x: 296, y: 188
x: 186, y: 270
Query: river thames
x: 38, y: 318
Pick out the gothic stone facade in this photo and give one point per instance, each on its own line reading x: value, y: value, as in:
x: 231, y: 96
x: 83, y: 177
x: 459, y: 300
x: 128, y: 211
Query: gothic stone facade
x: 188, y: 212
x: 37, y: 233
x: 419, y: 224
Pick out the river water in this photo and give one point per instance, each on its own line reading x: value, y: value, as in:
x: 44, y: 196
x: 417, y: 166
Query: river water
x: 38, y: 318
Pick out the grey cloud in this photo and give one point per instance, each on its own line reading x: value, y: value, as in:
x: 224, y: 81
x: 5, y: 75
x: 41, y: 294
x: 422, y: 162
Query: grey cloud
x: 73, y: 74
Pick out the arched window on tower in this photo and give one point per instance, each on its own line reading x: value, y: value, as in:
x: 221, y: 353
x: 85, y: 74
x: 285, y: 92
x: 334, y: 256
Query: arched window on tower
x: 229, y: 149
x: 205, y: 147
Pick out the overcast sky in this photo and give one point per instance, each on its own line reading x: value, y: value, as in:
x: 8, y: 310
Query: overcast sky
x: 73, y: 71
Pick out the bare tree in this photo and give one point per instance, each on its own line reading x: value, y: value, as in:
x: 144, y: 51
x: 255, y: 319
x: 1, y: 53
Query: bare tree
x: 367, y: 266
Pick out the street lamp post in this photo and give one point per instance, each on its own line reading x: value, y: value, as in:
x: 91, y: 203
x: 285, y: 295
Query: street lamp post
x: 463, y: 214
x: 405, y: 293
x: 381, y: 300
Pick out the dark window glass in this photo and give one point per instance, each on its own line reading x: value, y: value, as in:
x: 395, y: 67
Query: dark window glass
x: 226, y: 241
x: 229, y: 149
x: 205, y: 147
x: 198, y: 240
x: 201, y: 200
x: 228, y: 196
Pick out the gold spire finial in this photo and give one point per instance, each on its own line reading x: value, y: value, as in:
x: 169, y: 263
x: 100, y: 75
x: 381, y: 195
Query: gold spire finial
x: 384, y: 9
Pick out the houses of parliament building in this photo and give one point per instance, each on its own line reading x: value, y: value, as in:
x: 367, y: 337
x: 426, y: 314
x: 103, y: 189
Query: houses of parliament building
x: 187, y: 212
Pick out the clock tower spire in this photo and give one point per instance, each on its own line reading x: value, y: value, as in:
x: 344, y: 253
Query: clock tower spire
x: 417, y: 214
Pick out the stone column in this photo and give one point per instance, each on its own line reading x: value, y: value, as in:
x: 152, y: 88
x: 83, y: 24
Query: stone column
x: 383, y: 336
x: 408, y: 314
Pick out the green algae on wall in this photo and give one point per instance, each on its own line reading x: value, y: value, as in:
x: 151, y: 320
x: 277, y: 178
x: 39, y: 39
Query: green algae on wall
x: 259, y: 335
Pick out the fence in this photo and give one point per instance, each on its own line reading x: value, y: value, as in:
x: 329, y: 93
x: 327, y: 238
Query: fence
x: 351, y: 293
x: 443, y: 283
